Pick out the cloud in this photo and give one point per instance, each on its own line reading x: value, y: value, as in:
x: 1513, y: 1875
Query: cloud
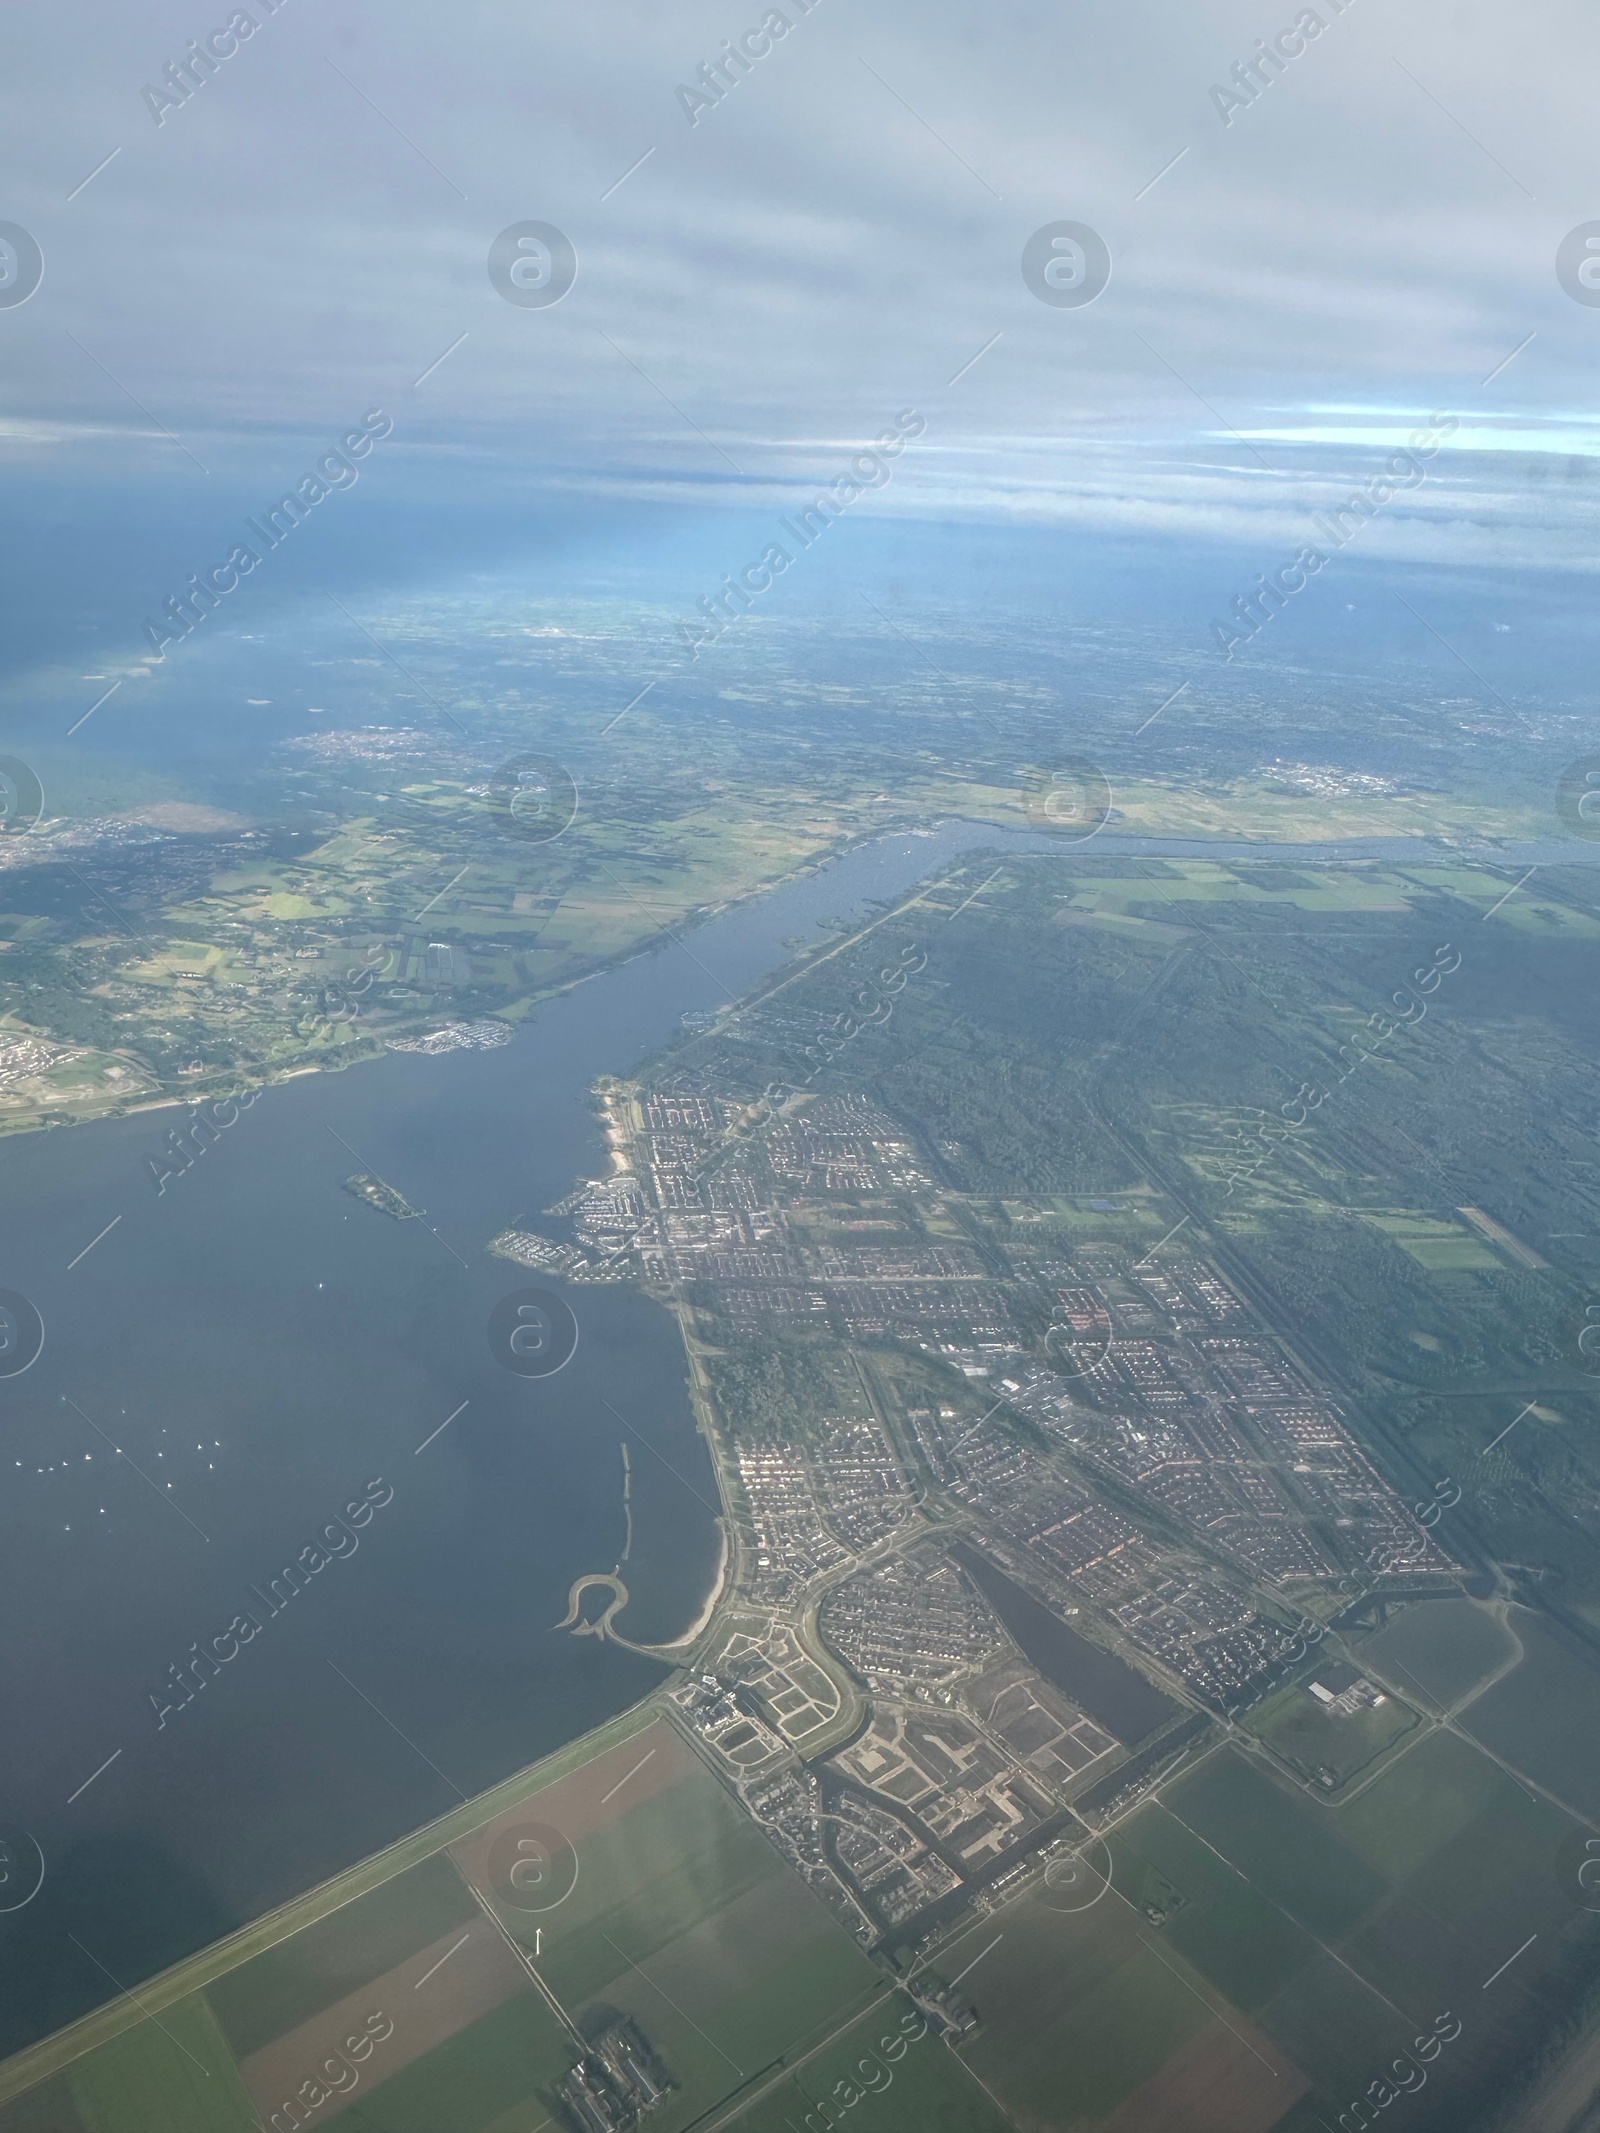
x: 835, y: 239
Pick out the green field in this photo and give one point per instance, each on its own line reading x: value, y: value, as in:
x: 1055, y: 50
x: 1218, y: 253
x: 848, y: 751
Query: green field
x: 227, y: 965
x: 46, y: 2109
x: 489, y: 2078
x: 1082, y: 2011
x: 1545, y: 1716
x: 1261, y: 1952
x: 903, y: 2074
x: 1316, y: 1743
x: 682, y: 1916
x: 1184, y: 881
x: 1444, y: 1648
x: 685, y: 1918
x: 1419, y: 1804
x: 175, y: 2077
x: 1284, y: 1845
x: 289, y: 1983
x: 1075, y: 2012
x: 1442, y: 1247
x: 1231, y: 1934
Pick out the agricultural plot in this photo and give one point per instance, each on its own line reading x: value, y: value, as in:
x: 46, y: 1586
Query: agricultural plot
x: 1544, y: 1716
x: 46, y: 2109
x: 1441, y: 1649
x: 1261, y: 1956
x: 488, y: 2077
x: 234, y: 946
x: 175, y: 2076
x: 1421, y: 1803
x: 1280, y: 1842
x: 1087, y: 2017
x: 1206, y: 1911
x: 1324, y: 1747
x: 627, y: 1898
x: 1442, y: 1247
x: 289, y: 1984
x: 1183, y: 881
x: 901, y: 2077
x: 679, y: 1916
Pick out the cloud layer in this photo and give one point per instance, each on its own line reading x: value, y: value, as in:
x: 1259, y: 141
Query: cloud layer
x: 766, y: 277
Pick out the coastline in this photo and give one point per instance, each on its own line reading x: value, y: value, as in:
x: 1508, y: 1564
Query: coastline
x: 584, y: 1041
x: 35, y: 2063
x: 1196, y: 841
x: 238, y: 1081
x: 702, y: 1621
x: 762, y: 953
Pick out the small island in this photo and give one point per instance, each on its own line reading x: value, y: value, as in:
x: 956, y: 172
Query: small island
x: 383, y: 1197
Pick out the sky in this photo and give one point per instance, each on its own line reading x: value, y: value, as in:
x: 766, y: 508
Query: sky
x: 768, y: 279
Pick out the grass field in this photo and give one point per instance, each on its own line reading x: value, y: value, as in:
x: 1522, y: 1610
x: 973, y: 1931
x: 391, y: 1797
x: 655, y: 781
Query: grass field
x: 1228, y: 1931
x: 1420, y: 1804
x: 1544, y: 1717
x: 1314, y: 1741
x: 489, y: 2075
x: 289, y: 1983
x: 175, y: 2077
x: 1260, y: 1954
x: 685, y: 1918
x: 1442, y: 1247
x: 906, y: 2079
x: 46, y: 2109
x: 1182, y: 881
x: 1082, y: 2011
x: 1285, y: 1848
x: 681, y: 1916
x: 1263, y: 1953
x: 1442, y: 1647
x: 1474, y: 1858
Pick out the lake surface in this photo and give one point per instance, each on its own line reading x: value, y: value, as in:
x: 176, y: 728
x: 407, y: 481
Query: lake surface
x: 1113, y: 1693
x: 261, y: 1346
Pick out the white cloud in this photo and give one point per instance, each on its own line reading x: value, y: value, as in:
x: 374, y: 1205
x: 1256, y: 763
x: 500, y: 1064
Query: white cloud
x: 813, y: 254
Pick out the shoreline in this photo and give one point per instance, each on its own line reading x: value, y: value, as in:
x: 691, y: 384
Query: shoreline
x: 517, y: 1012
x: 33, y: 2064
x: 702, y: 1622
x: 1195, y: 842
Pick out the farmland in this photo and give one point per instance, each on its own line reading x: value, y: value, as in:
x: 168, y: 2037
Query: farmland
x: 1442, y: 1650
x: 1257, y: 1955
x: 678, y: 1916
x: 684, y: 1918
x: 907, y: 2082
x: 1544, y: 1716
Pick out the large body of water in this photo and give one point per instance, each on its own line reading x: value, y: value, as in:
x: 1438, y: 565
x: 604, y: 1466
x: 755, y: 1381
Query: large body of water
x: 262, y: 1347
